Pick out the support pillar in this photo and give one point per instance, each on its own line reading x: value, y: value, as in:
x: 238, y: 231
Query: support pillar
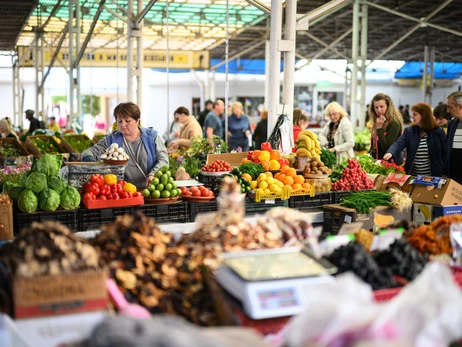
x: 274, y: 65
x: 354, y: 69
x: 289, y: 57
x: 17, y: 106
x: 38, y: 65
x: 364, y: 31
x: 75, y: 101
x: 428, y: 74
x: 134, y: 69
x: 267, y: 73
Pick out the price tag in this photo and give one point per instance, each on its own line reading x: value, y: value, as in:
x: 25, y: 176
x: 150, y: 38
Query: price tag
x: 347, y: 219
x: 270, y: 201
x: 351, y: 228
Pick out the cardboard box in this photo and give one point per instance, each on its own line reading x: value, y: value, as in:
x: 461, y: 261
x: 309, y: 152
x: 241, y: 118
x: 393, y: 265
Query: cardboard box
x: 379, y: 217
x: 63, y: 294
x: 396, y: 181
x: 234, y: 159
x: 23, y: 158
x: 377, y: 179
x: 450, y: 193
x: 6, y: 222
x: 425, y: 213
x: 75, y: 156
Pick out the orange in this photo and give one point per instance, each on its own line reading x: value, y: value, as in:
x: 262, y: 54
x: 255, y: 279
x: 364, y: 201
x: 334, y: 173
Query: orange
x: 288, y: 180
x: 281, y: 177
x: 247, y: 177
x: 276, y: 176
x: 299, y: 179
x: 284, y: 169
x: 268, y: 174
x: 306, y: 186
x: 296, y: 186
x: 291, y: 172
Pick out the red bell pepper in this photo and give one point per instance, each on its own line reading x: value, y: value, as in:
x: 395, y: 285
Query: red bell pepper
x: 283, y: 162
x: 250, y: 155
x: 266, y: 146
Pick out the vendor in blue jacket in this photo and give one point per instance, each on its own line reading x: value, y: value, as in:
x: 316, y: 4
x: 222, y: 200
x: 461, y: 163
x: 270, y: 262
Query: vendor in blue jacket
x: 144, y: 146
x: 425, y: 143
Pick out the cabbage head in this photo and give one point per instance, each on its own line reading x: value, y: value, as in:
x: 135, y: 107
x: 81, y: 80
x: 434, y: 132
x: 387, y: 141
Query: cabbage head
x: 28, y: 201
x: 23, y: 179
x: 49, y: 164
x: 70, y: 198
x: 36, y: 182
x: 57, y: 183
x: 48, y: 200
x: 15, y: 193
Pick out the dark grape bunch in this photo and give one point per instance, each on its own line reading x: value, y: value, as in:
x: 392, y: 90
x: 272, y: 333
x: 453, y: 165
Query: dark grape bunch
x: 354, y: 257
x: 402, y: 260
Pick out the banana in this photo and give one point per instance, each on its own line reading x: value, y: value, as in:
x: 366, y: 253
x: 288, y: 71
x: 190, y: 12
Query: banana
x: 309, y: 144
x: 309, y: 134
x: 318, y: 151
x: 301, y: 144
x: 303, y: 152
x: 303, y: 137
x: 425, y: 211
x: 313, y: 153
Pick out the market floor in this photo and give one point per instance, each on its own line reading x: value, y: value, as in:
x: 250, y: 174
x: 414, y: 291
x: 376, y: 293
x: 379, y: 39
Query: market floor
x: 187, y: 228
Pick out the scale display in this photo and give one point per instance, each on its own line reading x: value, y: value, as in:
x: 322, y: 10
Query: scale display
x: 273, y: 299
x: 275, y: 266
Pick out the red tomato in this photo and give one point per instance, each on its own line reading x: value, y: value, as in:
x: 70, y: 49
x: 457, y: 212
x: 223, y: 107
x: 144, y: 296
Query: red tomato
x: 205, y: 193
x: 123, y: 195
x: 115, y: 196
x: 88, y: 196
x: 193, y: 189
x: 92, y: 188
x: 196, y: 193
x: 102, y: 197
x: 188, y: 193
x: 136, y: 194
x: 183, y: 190
x: 109, y: 196
x: 121, y: 182
x: 85, y: 186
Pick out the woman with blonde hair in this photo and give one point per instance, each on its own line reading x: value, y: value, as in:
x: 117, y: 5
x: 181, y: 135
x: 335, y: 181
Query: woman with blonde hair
x: 238, y: 128
x: 337, y: 135
x: 261, y: 131
x: 387, y: 126
x: 6, y: 129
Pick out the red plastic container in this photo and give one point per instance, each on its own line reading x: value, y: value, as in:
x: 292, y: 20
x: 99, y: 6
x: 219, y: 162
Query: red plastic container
x: 93, y: 204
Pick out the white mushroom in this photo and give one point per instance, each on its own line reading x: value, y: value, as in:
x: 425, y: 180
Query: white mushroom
x: 103, y: 156
x: 121, y: 157
x: 115, y: 145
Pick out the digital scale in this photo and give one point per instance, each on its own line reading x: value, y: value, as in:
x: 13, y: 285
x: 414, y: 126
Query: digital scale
x: 272, y: 283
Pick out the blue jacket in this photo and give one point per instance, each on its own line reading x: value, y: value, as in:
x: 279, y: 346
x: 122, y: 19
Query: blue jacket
x: 148, y: 136
x: 436, y: 142
x: 452, y: 127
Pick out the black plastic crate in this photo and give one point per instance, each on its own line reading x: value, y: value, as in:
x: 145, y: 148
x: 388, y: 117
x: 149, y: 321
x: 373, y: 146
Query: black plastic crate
x: 339, y: 194
x: 94, y: 218
x: 252, y: 207
x: 176, y: 212
x: 305, y: 201
x: 69, y: 218
x: 196, y: 208
x: 209, y: 181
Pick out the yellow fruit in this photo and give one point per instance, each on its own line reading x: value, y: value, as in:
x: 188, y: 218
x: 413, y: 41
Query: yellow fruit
x: 129, y: 188
x: 253, y: 184
x: 262, y: 177
x: 274, y: 165
x: 268, y: 173
x: 267, y: 192
x: 270, y: 180
x: 279, y: 184
x: 110, y: 179
x: 263, y: 185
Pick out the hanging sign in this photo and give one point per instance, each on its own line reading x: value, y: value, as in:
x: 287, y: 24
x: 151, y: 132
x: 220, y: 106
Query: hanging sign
x: 113, y: 58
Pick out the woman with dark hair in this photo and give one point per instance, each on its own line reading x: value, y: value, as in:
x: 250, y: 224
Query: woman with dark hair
x: 425, y: 143
x: 189, y: 130
x: 144, y: 146
x: 387, y: 126
x: 442, y: 116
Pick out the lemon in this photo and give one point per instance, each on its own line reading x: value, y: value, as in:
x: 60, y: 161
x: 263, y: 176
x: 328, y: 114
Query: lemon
x: 279, y: 184
x: 262, y: 185
x: 270, y: 180
x: 273, y: 187
x: 267, y: 192
x: 253, y: 184
x: 262, y: 177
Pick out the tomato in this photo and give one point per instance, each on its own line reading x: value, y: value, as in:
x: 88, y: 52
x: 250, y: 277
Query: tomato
x: 85, y: 186
x: 93, y: 188
x: 136, y: 194
x: 193, y: 189
x: 123, y: 195
x: 121, y: 182
x: 196, y: 193
x: 115, y: 196
x: 205, y: 192
x: 109, y: 196
x: 183, y: 190
x: 88, y: 196
x: 102, y: 197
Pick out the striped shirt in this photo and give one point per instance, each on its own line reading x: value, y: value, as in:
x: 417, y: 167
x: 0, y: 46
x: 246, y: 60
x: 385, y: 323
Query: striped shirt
x: 457, y: 143
x: 421, y: 164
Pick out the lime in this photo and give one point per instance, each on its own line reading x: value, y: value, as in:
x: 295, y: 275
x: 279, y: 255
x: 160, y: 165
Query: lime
x: 160, y: 187
x: 164, y: 169
x: 171, y: 180
x: 165, y: 194
x: 151, y: 187
x: 158, y: 174
x: 155, y: 181
x: 155, y: 194
x: 174, y: 185
x: 146, y: 192
x: 173, y: 193
x: 169, y: 174
x: 178, y: 192
x: 168, y: 187
x: 164, y: 179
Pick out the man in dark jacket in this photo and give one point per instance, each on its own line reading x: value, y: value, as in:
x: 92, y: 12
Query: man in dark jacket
x: 34, y: 122
x: 454, y: 138
x: 204, y: 113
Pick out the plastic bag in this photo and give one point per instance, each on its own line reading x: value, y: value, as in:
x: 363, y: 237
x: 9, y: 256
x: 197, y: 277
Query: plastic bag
x: 282, y: 136
x: 427, y: 312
